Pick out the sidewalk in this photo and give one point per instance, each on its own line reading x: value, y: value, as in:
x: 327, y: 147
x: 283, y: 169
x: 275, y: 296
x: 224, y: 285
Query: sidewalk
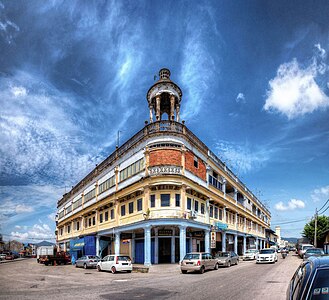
x: 157, y: 268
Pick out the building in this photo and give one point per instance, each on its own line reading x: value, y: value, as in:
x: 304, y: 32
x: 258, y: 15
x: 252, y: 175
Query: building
x: 271, y: 238
x: 161, y: 194
x: 326, y: 242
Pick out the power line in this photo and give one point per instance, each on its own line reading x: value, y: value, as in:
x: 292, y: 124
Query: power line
x: 323, y: 207
x: 289, y: 222
x: 325, y: 210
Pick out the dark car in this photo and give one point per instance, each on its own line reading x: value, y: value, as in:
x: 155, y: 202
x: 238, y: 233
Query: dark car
x: 9, y: 256
x: 311, y: 280
x: 312, y: 252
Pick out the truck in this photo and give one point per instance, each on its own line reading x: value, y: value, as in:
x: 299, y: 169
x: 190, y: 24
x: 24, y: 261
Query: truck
x: 43, y: 251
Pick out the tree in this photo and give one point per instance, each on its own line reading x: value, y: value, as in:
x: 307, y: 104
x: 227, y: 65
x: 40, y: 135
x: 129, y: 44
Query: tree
x: 322, y: 227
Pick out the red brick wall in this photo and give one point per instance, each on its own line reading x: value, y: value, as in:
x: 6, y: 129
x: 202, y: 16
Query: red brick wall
x: 189, y: 165
x: 165, y: 157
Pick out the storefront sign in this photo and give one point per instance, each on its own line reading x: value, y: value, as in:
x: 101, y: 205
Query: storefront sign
x: 221, y: 226
x: 165, y: 232
x: 213, y: 239
x: 198, y: 234
x: 127, y: 241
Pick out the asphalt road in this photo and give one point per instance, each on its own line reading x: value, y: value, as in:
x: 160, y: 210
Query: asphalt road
x: 28, y: 280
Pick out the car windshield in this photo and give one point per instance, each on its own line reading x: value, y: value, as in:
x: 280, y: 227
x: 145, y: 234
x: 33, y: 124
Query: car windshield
x: 319, y: 289
x: 223, y: 254
x: 251, y: 251
x: 314, y: 251
x: 123, y: 258
x: 192, y: 256
x: 93, y: 257
x: 307, y: 247
x: 267, y: 251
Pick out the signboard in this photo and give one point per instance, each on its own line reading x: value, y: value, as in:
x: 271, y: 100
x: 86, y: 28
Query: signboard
x: 165, y: 232
x: 212, y: 239
x: 127, y: 241
x: 221, y: 226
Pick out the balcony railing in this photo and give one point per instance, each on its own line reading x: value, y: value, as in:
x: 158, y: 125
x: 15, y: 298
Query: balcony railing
x: 214, y: 182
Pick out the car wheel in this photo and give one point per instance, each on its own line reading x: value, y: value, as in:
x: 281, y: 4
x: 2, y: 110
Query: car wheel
x: 99, y: 269
x: 216, y: 267
x: 228, y: 264
x: 202, y: 270
x: 76, y: 265
x: 85, y: 266
x: 237, y: 262
x: 113, y: 270
x: 129, y: 271
x: 184, y: 271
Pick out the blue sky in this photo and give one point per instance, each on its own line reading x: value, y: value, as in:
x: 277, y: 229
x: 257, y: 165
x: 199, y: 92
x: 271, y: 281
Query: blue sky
x: 255, y: 82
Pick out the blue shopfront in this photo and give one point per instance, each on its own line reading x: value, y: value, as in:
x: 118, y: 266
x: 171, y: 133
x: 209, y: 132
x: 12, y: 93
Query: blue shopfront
x: 82, y: 246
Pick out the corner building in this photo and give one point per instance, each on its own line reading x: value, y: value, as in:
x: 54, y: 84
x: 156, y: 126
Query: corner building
x: 160, y: 195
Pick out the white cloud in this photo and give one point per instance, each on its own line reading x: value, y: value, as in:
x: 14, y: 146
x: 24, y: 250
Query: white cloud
x: 240, y: 98
x: 52, y: 216
x: 22, y: 208
x: 321, y: 51
x: 320, y: 194
x: 243, y: 157
x: 291, y: 205
x: 35, y: 232
x: 19, y: 91
x: 294, y: 91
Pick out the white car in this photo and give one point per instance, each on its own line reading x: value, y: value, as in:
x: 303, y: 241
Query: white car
x: 115, y: 263
x: 267, y: 255
x: 250, y: 254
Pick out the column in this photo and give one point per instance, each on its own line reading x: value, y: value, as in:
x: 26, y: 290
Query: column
x: 117, y: 243
x: 245, y: 225
x: 157, y: 100
x: 236, y: 221
x: 191, y: 243
x: 173, y: 247
x: 177, y: 112
x: 97, y: 245
x: 257, y: 248
x: 151, y: 113
x: 224, y: 186
x: 133, y: 247
x: 156, y: 246
x: 236, y: 243
x: 183, y: 198
x: 207, y: 211
x: 182, y: 242
x: 147, y: 246
x: 223, y: 241
x: 244, y: 244
x: 224, y: 215
x: 172, y: 107
x: 207, y: 240
x: 236, y: 194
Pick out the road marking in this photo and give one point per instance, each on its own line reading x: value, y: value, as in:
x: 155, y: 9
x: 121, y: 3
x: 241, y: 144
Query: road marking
x: 120, y: 280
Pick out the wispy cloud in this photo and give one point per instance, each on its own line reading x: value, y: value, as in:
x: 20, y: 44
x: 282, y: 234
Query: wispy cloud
x: 240, y: 98
x: 33, y: 233
x: 243, y: 157
x: 8, y: 29
x: 320, y: 194
x: 291, y: 205
x: 294, y: 91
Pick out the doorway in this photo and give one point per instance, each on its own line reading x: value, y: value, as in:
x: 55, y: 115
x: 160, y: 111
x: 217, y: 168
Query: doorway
x: 164, y: 250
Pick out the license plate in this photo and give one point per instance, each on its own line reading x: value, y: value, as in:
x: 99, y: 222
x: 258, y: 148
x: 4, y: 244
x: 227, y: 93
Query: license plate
x: 125, y: 264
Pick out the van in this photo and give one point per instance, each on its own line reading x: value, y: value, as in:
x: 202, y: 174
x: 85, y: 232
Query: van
x: 303, y: 248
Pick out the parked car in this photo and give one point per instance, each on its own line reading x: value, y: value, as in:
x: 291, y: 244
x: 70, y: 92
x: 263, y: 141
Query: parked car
x: 87, y: 261
x: 9, y: 256
x: 198, y: 261
x: 2, y: 256
x: 292, y: 248
x: 267, y: 255
x: 303, y: 249
x: 227, y: 258
x: 250, y: 254
x: 115, y: 263
x: 313, y: 252
x: 311, y: 280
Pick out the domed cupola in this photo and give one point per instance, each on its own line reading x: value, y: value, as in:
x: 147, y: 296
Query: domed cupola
x: 164, y: 97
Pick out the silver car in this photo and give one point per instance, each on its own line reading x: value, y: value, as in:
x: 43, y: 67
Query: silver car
x: 227, y: 258
x: 87, y: 261
x: 198, y: 261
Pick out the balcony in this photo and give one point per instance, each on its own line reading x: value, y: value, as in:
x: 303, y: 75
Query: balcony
x: 214, y: 182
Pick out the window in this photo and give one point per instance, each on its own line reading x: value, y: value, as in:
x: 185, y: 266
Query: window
x: 77, y: 203
x: 139, y: 204
x: 107, y: 184
x: 90, y: 195
x: 131, y: 207
x: 211, y: 212
x: 177, y: 198
x: 196, y: 205
x: 78, y: 225
x: 94, y: 220
x: 68, y: 209
x: 68, y: 228
x: 216, y: 212
x: 106, y: 216
x: 123, y: 210
x: 61, y: 231
x: 61, y: 214
x: 189, y: 203
x: 112, y: 214
x: 152, y: 200
x: 165, y: 199
x: 196, y: 162
x: 101, y: 218
x: 202, y: 208
x: 132, y: 169
x: 89, y: 222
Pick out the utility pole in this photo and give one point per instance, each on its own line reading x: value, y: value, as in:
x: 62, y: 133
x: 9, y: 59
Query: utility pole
x: 315, y: 227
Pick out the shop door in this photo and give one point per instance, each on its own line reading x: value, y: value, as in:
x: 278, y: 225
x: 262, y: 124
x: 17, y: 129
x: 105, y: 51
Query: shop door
x: 164, y: 250
x: 139, y: 251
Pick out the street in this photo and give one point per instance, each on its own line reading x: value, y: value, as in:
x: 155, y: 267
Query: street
x: 28, y: 280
